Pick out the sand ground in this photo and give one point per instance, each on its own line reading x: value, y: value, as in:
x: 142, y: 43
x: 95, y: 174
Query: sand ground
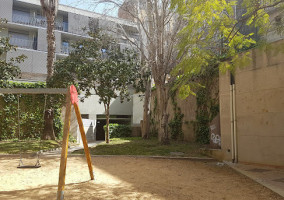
x: 128, y: 178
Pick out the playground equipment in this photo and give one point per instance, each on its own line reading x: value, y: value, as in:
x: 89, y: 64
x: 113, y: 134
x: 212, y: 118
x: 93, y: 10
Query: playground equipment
x: 19, y: 92
x: 21, y: 163
x: 71, y: 99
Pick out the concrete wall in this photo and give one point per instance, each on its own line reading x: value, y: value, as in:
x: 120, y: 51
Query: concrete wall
x: 273, y: 35
x: 93, y: 108
x: 41, y: 41
x: 57, y: 42
x: 76, y: 23
x: 259, y: 109
x: 137, y: 110
x: 6, y: 8
x: 34, y: 63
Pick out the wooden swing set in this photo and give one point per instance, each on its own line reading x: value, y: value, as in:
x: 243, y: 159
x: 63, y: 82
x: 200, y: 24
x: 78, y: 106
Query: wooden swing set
x: 71, y: 99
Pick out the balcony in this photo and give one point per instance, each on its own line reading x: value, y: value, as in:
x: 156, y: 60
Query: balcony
x: 38, y: 21
x: 23, y: 43
x: 66, y: 48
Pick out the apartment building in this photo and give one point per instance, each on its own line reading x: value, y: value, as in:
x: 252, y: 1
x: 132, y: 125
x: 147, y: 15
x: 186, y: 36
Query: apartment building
x: 26, y: 28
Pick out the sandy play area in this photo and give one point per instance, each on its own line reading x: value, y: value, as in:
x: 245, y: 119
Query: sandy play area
x: 128, y: 178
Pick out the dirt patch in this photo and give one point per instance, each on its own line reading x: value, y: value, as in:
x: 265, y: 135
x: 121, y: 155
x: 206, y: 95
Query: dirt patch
x: 129, y: 178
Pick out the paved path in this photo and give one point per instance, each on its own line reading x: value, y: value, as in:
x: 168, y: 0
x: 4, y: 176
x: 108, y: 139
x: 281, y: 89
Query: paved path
x: 270, y: 177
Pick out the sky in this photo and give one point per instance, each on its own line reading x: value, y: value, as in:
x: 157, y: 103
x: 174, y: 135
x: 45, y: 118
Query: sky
x: 102, y: 8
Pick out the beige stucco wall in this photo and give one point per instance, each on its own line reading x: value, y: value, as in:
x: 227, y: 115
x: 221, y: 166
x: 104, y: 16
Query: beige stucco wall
x: 188, y: 108
x: 259, y: 109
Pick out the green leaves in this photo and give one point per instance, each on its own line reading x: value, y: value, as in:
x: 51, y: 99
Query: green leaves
x: 214, y: 31
x: 31, y: 112
x: 98, y: 65
x: 8, y: 68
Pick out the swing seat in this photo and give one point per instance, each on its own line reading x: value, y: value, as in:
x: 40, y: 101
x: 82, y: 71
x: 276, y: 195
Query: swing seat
x: 22, y: 166
x: 29, y: 166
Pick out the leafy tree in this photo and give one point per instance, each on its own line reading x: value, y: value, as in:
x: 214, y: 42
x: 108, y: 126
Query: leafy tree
x: 8, y: 68
x: 216, y: 37
x: 156, y: 40
x: 49, y: 8
x: 98, y: 64
x: 218, y: 31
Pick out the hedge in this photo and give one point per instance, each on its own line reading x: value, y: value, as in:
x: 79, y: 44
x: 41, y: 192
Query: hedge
x: 118, y: 130
x: 31, y: 112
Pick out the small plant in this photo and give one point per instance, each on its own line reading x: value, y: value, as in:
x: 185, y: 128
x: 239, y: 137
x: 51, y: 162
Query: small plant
x: 153, y: 122
x: 175, y: 125
x: 119, y: 130
x: 207, y: 101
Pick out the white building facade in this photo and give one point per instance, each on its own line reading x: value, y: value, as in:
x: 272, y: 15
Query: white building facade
x: 26, y: 28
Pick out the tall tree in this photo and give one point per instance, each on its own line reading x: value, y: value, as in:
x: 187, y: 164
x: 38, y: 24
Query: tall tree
x: 99, y: 65
x: 49, y: 8
x: 8, y: 68
x: 158, y: 30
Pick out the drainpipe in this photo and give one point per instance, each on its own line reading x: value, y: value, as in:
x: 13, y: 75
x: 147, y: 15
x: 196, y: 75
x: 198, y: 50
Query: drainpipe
x: 232, y: 124
x: 234, y: 149
x: 235, y: 124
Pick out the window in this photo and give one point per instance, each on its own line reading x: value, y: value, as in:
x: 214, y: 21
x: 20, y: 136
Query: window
x: 85, y: 116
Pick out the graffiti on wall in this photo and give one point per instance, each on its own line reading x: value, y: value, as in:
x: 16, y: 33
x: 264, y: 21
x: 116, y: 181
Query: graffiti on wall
x: 215, y: 138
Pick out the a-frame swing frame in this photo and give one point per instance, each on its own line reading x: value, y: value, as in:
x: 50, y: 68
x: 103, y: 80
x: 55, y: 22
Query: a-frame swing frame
x: 64, y: 151
x: 63, y: 160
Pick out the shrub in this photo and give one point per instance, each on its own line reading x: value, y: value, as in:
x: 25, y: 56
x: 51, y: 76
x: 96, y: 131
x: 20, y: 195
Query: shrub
x: 118, y: 130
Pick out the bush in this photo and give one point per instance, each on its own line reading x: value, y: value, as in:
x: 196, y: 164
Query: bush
x: 118, y: 130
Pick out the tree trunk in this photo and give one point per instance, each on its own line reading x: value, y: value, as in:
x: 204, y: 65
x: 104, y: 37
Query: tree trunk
x: 50, y: 46
x: 146, y: 120
x: 162, y: 99
x: 107, y: 123
x: 48, y: 133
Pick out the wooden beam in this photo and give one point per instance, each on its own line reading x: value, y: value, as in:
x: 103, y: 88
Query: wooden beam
x: 84, y: 139
x: 64, y: 151
x: 33, y: 91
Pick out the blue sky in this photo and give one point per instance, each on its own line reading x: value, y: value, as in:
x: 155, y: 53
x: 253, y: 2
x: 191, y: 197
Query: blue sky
x: 88, y: 5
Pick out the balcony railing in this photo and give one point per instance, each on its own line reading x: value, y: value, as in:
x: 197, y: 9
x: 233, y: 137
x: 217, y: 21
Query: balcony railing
x: 38, y: 21
x: 23, y: 43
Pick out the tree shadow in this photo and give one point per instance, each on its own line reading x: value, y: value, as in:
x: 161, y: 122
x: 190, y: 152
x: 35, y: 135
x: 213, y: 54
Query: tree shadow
x: 121, y: 177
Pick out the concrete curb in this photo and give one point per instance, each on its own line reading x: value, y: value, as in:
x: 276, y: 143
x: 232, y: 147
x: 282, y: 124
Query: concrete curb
x: 205, y: 159
x: 256, y: 179
x: 200, y: 159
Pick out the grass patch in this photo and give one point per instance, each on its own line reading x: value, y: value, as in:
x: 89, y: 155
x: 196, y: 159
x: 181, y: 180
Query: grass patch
x: 15, y: 147
x: 150, y: 147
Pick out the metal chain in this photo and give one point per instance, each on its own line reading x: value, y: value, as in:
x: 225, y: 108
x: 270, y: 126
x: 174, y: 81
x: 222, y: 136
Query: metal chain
x: 19, y: 131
